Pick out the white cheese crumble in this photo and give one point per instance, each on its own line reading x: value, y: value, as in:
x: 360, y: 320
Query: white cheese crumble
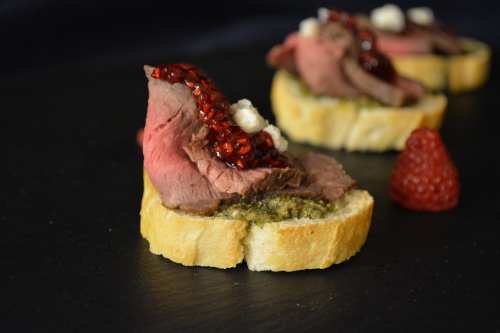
x: 279, y: 141
x: 421, y: 15
x: 388, y: 17
x: 309, y: 27
x: 247, y: 116
x: 323, y: 14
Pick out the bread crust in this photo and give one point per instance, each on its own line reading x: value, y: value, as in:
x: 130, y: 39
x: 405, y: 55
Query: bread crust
x: 457, y: 73
x: 311, y: 244
x: 291, y: 245
x: 343, y: 123
x: 190, y: 240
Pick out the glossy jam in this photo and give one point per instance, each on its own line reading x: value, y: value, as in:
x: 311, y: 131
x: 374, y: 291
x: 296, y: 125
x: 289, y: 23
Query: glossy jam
x: 227, y: 141
x: 369, y: 56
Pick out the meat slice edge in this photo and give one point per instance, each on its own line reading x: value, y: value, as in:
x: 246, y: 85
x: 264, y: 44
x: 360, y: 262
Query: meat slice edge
x: 326, y: 179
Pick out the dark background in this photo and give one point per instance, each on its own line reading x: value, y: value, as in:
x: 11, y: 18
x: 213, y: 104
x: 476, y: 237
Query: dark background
x: 48, y: 32
x: 72, y: 95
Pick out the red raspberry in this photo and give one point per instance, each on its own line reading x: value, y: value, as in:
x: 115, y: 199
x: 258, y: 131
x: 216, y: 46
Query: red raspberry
x: 424, y: 177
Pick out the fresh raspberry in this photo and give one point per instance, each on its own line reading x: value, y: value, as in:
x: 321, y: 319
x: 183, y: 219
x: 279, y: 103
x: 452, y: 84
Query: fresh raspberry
x: 424, y: 177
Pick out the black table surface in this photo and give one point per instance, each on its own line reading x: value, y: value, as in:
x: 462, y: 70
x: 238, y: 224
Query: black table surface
x: 73, y: 258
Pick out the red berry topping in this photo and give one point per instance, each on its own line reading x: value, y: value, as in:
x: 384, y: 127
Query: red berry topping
x: 227, y: 140
x: 377, y: 64
x: 370, y: 58
x: 424, y: 177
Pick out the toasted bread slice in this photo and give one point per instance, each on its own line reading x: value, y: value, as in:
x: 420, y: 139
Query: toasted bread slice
x: 290, y: 245
x: 345, y: 123
x: 457, y: 73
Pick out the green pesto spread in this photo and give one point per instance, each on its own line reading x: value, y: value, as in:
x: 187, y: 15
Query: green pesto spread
x: 276, y: 208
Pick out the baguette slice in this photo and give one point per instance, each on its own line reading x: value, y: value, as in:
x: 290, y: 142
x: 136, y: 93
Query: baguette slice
x: 457, y: 73
x: 291, y: 245
x: 344, y: 123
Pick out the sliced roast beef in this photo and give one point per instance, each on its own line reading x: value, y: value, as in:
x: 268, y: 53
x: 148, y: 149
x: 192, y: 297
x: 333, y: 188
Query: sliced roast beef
x: 417, y: 39
x: 316, y: 61
x: 342, y: 37
x: 283, y: 55
x: 243, y: 182
x: 446, y: 43
x: 372, y: 86
x: 326, y: 179
x: 413, y: 89
x: 400, y: 44
x: 319, y: 64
